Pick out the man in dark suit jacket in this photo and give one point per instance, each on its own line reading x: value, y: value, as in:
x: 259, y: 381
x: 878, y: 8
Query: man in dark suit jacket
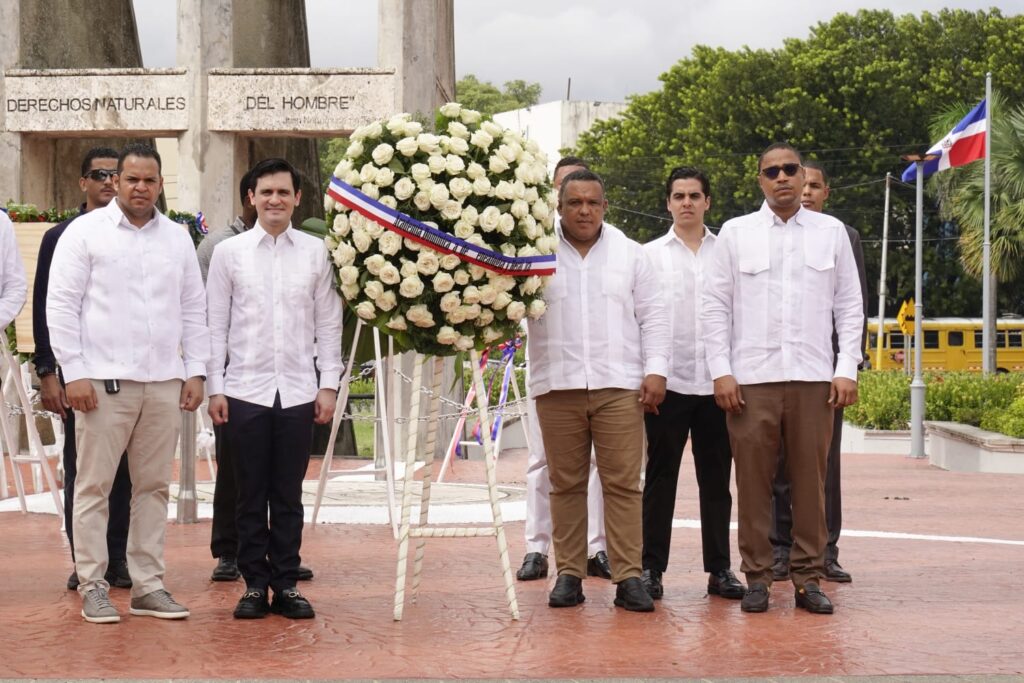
x: 816, y: 191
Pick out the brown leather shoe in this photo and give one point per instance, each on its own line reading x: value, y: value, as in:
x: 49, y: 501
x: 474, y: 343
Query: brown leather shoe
x: 834, y: 572
x: 810, y: 597
x: 756, y: 598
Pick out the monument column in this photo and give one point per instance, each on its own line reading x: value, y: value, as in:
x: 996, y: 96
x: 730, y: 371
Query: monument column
x: 417, y: 39
x: 10, y: 143
x: 208, y: 166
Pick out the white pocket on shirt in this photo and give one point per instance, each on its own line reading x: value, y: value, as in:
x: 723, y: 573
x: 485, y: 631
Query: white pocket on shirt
x: 618, y: 285
x: 557, y: 288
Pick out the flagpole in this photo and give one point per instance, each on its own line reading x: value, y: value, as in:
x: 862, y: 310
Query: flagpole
x: 988, y: 350
x: 881, y: 279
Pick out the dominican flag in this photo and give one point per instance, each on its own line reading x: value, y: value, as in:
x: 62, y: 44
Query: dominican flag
x: 964, y: 144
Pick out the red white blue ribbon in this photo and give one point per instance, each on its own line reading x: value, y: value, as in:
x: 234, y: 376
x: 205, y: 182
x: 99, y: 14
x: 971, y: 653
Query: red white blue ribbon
x: 438, y: 240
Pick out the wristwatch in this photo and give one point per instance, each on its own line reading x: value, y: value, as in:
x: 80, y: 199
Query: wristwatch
x: 45, y: 371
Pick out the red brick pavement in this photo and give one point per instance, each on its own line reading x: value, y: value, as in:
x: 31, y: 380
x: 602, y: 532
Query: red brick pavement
x: 915, y: 607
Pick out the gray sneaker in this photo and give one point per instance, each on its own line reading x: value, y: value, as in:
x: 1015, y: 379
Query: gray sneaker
x: 158, y: 604
x: 96, y: 607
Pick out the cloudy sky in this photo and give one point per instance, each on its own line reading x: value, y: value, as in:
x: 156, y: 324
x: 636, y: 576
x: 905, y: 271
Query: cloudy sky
x: 609, y: 48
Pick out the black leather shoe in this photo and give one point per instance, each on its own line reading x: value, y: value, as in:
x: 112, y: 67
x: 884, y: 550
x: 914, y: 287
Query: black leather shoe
x: 834, y: 572
x: 756, y: 598
x: 651, y: 579
x: 252, y: 605
x: 780, y: 569
x: 631, y: 595
x: 226, y: 570
x: 725, y: 584
x: 810, y: 597
x: 599, y: 566
x: 73, y: 581
x: 290, y: 603
x: 117, y: 574
x: 568, y: 591
x: 305, y: 573
x: 535, y: 566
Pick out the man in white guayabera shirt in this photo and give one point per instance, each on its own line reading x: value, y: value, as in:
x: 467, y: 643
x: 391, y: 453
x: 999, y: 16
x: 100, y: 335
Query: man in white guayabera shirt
x: 779, y: 277
x: 598, y: 359
x: 272, y: 299
x: 537, y: 528
x: 127, y: 319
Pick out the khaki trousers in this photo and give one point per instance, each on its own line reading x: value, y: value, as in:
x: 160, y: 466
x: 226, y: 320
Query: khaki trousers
x: 798, y: 417
x: 144, y: 419
x: 611, y: 422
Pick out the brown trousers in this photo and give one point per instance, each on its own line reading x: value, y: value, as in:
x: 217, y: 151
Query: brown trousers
x: 798, y: 417
x: 610, y: 421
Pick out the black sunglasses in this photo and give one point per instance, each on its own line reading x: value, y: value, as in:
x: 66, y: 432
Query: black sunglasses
x: 100, y: 174
x: 772, y: 172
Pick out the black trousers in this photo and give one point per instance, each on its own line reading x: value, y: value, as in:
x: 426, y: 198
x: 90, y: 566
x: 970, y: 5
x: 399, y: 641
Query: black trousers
x: 782, y: 509
x: 698, y: 417
x: 120, y: 497
x: 273, y: 446
x: 224, y: 536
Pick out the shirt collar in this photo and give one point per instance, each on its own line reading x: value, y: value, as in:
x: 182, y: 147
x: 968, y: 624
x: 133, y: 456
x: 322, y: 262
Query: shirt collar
x: 119, y: 218
x: 671, y: 236
x: 772, y: 219
x: 600, y: 237
x: 262, y: 235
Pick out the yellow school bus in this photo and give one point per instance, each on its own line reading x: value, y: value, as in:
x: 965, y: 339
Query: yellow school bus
x: 949, y: 344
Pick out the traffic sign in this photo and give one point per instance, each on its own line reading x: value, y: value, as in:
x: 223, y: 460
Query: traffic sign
x: 905, y: 318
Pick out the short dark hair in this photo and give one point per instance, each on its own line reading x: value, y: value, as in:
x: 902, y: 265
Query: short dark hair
x: 778, y: 145
x: 139, y: 149
x: 244, y: 186
x: 584, y: 174
x: 685, y: 173
x: 817, y: 166
x: 272, y: 166
x: 570, y: 161
x: 97, y: 153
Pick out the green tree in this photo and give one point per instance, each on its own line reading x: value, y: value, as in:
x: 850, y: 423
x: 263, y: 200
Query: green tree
x: 855, y: 94
x: 486, y: 98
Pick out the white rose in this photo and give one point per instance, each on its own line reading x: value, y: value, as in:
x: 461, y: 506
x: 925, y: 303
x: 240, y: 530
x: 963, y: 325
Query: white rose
x: 478, y: 272
x: 470, y: 116
x: 546, y: 245
x: 481, y: 187
x: 370, y: 190
x: 540, y: 210
x: 374, y: 264
x: 481, y: 139
x: 374, y: 229
x: 350, y: 292
x: 515, y: 311
x: 420, y: 316
x: 426, y: 184
x: 411, y: 245
x: 530, y: 285
x: 396, y: 124
x: 492, y: 129
x: 460, y: 188
x: 458, y: 146
x: 447, y: 335
x: 407, y: 147
x: 486, y: 317
x: 352, y: 178
x: 373, y: 289
x: 488, y: 293
x: 355, y: 149
x: 439, y: 195
x: 408, y: 268
x: 537, y: 309
x: 531, y: 195
x: 412, y: 128
x: 475, y: 171
x: 389, y: 275
x: 472, y: 311
x: 384, y: 177
x: 506, y: 248
x: 362, y: 241
x: 507, y: 152
x: 504, y: 190
x: 343, y: 167
x: 382, y: 153
x: 450, y: 261
x: 366, y: 310
x: 443, y: 282
x: 452, y: 210
x: 340, y: 225
x: 386, y: 301
x: 464, y: 343
x: 428, y: 142
x: 519, y: 189
x: 419, y: 171
x: 456, y: 316
x: 389, y: 243
x: 471, y: 295
x: 389, y: 201
x: 461, y: 277
x: 504, y: 283
x: 501, y: 301
x: 411, y: 287
x: 373, y: 130
x: 463, y: 229
x: 435, y: 163
x: 470, y: 215
x: 490, y: 218
x: 367, y: 173
x: 454, y: 164
x: 329, y: 203
x: 451, y: 110
x: 427, y: 262
x: 397, y: 322
x: 421, y: 200
x: 497, y: 165
x: 331, y: 242
x: 491, y: 335
x: 519, y: 208
x: 449, y: 302
x: 527, y: 250
x: 349, y: 275
x: 506, y: 224
x: 344, y: 255
x: 528, y: 226
x: 404, y: 188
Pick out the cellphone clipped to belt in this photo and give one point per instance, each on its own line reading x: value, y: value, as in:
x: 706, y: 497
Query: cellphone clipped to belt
x: 112, y: 385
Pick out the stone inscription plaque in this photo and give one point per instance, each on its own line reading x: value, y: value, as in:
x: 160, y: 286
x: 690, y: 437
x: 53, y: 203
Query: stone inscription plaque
x: 91, y: 100
x: 297, y: 101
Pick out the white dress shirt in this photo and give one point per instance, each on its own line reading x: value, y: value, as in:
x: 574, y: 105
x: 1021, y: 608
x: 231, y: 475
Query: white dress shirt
x: 770, y: 297
x: 13, y: 287
x: 605, y: 325
x: 681, y: 273
x: 272, y: 307
x: 125, y: 302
